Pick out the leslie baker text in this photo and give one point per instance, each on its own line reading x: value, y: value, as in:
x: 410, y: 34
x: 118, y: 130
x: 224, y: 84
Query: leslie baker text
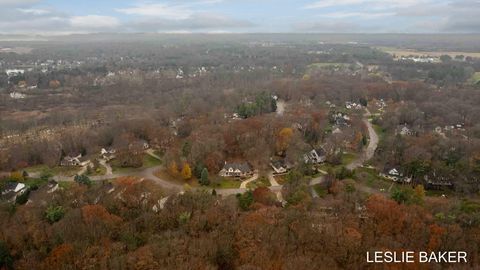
x: 417, y: 257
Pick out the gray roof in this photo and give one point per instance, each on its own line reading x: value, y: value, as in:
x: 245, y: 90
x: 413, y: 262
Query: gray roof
x: 320, y: 151
x: 242, y: 166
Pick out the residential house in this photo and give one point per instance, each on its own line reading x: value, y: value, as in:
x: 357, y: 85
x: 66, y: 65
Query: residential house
x: 17, y: 95
x: 14, y: 72
x: 280, y: 166
x: 435, y: 181
x: 405, y: 131
x: 138, y: 145
x: 316, y: 156
x: 236, y: 169
x: 107, y: 153
x: 13, y: 189
x: 396, y: 176
x: 340, y: 119
x: 74, y: 160
x: 352, y: 105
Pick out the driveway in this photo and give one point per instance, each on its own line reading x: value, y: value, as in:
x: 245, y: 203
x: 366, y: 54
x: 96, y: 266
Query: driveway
x: 244, y: 184
x: 275, y: 187
x: 272, y: 180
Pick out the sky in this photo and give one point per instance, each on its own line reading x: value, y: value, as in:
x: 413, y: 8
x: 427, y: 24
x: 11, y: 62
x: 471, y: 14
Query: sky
x: 55, y: 17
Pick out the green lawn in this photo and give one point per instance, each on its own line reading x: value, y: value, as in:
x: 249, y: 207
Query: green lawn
x: 260, y: 182
x: 163, y: 174
x: 37, y: 168
x: 321, y: 191
x: 101, y: 170
x: 370, y: 178
x: 380, y: 132
x: 148, y: 162
x: 65, y: 171
x: 475, y: 78
x: 35, y: 182
x: 348, y: 158
x: 64, y: 184
x: 224, y: 182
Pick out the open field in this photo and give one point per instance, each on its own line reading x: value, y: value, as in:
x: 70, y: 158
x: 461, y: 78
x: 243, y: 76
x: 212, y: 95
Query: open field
x: 398, y: 52
x: 475, y: 78
x: 18, y: 50
x: 148, y: 162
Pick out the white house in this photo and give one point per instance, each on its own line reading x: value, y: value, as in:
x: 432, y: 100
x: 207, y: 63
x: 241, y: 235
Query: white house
x: 17, y: 95
x: 405, y: 131
x: 14, y: 72
x: 74, y: 160
x: 235, y: 169
x: 279, y: 166
x: 108, y: 153
x: 396, y: 176
x: 12, y: 189
x: 315, y: 156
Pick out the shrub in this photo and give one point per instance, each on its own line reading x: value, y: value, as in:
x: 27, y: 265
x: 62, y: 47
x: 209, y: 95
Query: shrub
x: 23, y: 198
x: 6, y: 260
x: 54, y: 213
x: 245, y: 200
x: 83, y: 180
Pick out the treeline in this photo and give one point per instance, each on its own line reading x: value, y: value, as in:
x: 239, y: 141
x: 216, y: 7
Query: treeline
x: 112, y: 226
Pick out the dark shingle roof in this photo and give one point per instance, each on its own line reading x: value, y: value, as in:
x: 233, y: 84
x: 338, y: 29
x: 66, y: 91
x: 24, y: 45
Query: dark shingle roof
x: 243, y: 167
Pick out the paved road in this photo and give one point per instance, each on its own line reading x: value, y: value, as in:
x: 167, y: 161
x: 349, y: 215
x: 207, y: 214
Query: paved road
x: 149, y: 172
x: 281, y: 105
x: 272, y: 180
x: 371, y: 148
x: 107, y: 166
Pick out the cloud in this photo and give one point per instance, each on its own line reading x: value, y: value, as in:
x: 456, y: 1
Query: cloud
x: 34, y: 11
x: 196, y: 21
x: 94, y: 22
x: 183, y: 16
x: 17, y: 3
x: 378, y: 4
x: 171, y: 12
x: 363, y: 15
x: 326, y: 27
x: 463, y: 16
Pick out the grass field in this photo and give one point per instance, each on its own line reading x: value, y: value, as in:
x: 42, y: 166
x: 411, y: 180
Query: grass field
x: 224, y: 182
x: 148, y: 162
x: 163, y: 174
x: 99, y: 171
x: 475, y: 78
x: 320, y: 190
x: 260, y: 182
x: 398, y: 52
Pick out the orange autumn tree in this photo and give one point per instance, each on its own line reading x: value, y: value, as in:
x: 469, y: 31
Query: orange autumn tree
x: 436, y: 234
x: 97, y: 213
x: 173, y: 168
x: 284, y: 138
x: 186, y: 171
x: 59, y: 257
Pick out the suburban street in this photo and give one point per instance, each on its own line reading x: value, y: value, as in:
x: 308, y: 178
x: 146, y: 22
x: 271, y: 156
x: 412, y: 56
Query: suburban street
x: 149, y: 173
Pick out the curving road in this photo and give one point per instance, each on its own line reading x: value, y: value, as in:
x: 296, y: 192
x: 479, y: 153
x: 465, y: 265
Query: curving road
x: 275, y: 187
x: 371, y: 148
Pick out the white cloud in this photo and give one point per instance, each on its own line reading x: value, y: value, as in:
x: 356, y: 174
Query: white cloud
x: 94, y: 22
x: 377, y: 4
x: 34, y: 11
x: 363, y: 15
x: 331, y: 3
x: 17, y: 3
x: 170, y: 12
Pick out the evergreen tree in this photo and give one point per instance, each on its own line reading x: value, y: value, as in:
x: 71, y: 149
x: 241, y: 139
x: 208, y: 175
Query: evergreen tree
x: 204, y: 181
